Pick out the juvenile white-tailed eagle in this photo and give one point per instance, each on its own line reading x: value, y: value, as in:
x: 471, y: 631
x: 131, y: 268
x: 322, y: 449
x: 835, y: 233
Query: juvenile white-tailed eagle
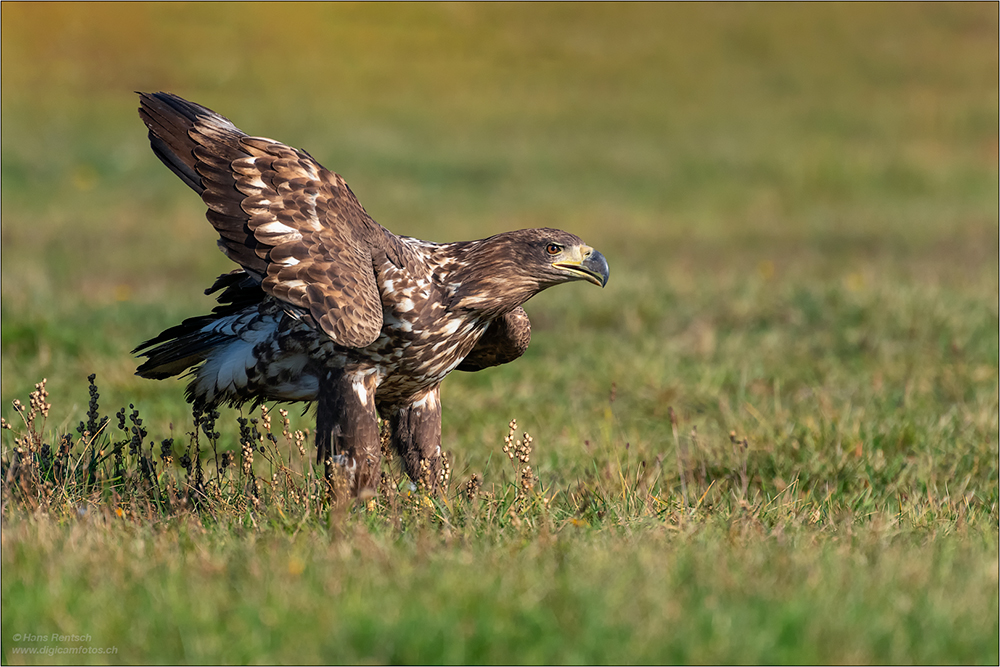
x: 329, y: 306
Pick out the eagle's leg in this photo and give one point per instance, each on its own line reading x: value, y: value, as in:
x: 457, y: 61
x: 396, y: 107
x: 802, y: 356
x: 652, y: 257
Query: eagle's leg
x: 416, y: 436
x: 347, y: 434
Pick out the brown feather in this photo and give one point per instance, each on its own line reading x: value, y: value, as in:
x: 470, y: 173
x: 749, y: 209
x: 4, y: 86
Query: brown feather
x: 506, y: 339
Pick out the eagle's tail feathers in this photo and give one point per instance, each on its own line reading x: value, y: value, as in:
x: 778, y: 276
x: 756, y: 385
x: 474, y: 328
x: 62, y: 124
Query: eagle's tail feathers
x: 193, y: 341
x: 177, y: 349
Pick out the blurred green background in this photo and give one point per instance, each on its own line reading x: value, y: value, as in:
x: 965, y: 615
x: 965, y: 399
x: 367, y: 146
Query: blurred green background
x: 799, y: 205
x: 748, y: 169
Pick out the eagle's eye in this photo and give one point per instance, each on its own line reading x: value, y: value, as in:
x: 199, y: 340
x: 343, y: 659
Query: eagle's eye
x: 553, y: 248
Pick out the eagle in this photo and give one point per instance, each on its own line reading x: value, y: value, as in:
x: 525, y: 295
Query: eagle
x: 328, y: 306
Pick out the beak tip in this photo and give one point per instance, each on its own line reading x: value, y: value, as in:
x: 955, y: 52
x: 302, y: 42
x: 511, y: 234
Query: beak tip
x: 599, y: 266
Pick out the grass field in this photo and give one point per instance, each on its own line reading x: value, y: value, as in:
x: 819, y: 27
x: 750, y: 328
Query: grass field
x: 799, y: 207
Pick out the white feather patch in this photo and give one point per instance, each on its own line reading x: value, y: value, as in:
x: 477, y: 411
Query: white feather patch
x: 275, y: 228
x: 360, y: 390
x: 428, y: 400
x: 225, y: 370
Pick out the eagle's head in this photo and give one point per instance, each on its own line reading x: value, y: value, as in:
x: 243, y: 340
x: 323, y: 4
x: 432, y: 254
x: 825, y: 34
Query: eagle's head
x: 505, y: 270
x: 552, y: 256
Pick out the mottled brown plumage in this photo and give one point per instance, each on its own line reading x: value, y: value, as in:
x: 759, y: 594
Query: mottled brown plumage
x: 506, y: 339
x: 329, y: 306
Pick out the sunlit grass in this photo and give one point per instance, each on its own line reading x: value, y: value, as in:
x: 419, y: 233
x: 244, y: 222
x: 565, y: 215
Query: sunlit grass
x: 799, y: 207
x: 709, y: 593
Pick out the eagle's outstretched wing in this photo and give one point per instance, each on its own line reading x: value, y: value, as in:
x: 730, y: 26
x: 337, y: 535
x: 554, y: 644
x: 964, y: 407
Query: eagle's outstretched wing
x: 279, y: 214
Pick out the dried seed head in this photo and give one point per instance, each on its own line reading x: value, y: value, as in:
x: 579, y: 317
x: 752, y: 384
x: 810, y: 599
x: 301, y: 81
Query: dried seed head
x: 247, y: 459
x: 527, y: 478
x: 265, y: 418
x: 285, y: 424
x: 38, y: 399
x: 522, y: 449
x: 424, y: 475
x: 444, y: 474
x: 472, y: 487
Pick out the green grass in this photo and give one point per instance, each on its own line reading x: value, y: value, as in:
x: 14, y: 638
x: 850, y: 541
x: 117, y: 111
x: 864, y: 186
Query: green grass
x: 799, y: 208
x: 710, y: 592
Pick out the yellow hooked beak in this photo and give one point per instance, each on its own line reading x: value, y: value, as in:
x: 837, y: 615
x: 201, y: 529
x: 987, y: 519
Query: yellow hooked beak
x: 585, y: 263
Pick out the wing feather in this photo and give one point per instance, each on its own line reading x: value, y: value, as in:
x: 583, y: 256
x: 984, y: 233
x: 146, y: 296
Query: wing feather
x: 506, y: 339
x: 279, y: 214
